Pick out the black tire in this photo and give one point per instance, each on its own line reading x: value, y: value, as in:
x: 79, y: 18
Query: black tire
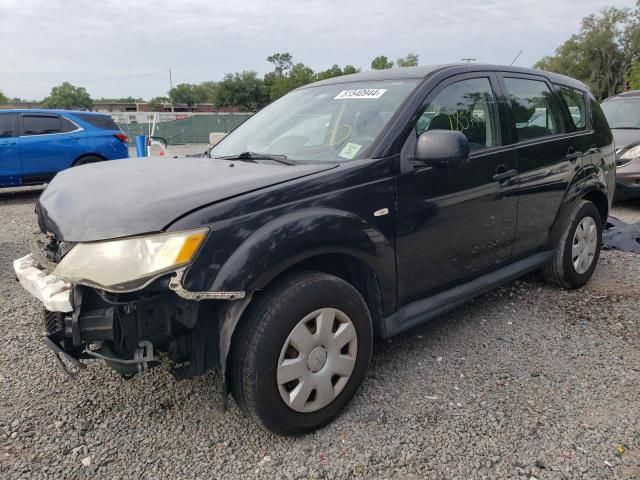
x: 87, y: 159
x: 560, y: 270
x: 263, y: 331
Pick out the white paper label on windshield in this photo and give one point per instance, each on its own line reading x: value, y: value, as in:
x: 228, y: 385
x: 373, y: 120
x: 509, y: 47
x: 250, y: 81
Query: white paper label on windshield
x: 349, y: 151
x: 361, y: 93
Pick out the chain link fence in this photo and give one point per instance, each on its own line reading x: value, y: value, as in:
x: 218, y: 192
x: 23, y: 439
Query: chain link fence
x: 185, y: 128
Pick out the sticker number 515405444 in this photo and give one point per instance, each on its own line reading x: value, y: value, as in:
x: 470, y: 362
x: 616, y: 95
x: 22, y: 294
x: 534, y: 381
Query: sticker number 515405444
x: 361, y: 93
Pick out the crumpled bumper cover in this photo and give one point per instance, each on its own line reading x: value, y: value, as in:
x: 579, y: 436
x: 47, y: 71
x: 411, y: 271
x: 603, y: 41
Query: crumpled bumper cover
x: 54, y: 292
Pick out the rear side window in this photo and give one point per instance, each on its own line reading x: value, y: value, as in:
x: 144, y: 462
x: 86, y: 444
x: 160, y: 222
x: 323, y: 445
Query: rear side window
x: 7, y: 125
x: 574, y: 99
x: 533, y: 108
x: 41, y: 124
x: 99, y: 121
x: 467, y: 106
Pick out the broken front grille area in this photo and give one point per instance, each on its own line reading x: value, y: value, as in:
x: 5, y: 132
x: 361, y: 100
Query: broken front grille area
x: 47, y: 250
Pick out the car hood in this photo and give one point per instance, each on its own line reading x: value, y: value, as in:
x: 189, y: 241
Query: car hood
x: 625, y: 138
x: 130, y: 197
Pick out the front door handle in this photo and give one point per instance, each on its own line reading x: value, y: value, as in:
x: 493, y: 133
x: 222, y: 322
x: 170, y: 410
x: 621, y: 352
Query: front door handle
x: 572, y: 155
x: 502, y: 174
x: 7, y: 143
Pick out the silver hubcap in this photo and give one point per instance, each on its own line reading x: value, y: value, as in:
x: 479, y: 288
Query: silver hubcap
x: 317, y: 360
x: 585, y: 244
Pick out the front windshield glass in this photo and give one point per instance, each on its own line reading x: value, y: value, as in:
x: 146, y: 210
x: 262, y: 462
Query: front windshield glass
x: 622, y: 112
x: 330, y: 123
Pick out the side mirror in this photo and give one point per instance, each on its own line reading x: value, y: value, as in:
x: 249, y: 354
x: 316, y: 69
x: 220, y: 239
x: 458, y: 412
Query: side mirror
x: 442, y: 148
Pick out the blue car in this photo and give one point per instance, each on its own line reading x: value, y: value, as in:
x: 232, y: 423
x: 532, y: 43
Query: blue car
x: 36, y: 144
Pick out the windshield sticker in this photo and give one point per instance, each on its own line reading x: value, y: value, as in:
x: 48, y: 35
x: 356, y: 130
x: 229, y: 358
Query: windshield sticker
x: 350, y: 150
x: 361, y: 93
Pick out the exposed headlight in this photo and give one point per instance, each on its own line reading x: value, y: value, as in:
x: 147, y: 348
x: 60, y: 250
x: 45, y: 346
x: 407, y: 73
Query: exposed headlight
x: 129, y: 263
x: 631, y: 154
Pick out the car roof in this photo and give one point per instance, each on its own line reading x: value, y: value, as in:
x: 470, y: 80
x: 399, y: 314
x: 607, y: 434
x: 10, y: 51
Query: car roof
x: 48, y: 110
x: 628, y: 94
x: 424, y: 71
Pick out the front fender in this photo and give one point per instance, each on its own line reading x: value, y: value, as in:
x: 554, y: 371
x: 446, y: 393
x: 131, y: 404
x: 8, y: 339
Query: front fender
x: 296, y: 236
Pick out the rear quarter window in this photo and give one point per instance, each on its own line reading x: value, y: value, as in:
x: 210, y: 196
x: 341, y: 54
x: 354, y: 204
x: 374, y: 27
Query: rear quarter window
x: 104, y: 122
x: 575, y: 102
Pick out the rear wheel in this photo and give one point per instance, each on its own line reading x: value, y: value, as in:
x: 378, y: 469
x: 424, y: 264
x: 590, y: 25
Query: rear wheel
x: 301, y: 352
x: 87, y: 159
x: 577, y: 254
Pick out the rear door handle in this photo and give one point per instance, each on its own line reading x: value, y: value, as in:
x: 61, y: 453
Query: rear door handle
x: 7, y: 143
x: 503, y: 175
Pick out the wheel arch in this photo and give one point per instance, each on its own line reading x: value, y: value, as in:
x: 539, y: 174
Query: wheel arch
x: 600, y: 200
x: 87, y: 155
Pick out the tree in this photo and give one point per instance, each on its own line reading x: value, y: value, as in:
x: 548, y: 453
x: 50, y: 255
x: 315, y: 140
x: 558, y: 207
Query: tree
x: 381, y: 63
x: 282, y: 63
x: 3, y: 98
x: 601, y: 53
x: 184, y: 93
x: 245, y: 90
x: 336, y: 71
x: 68, y: 96
x: 156, y: 104
x: 298, y: 76
x: 349, y: 69
x: 205, y: 92
x: 411, y: 60
x: 633, y: 77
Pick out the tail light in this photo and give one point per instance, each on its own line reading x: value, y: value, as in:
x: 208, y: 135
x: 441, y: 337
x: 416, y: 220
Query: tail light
x: 121, y: 136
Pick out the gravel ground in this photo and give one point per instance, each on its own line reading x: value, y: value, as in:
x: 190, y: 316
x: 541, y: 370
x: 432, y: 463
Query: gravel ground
x: 527, y: 382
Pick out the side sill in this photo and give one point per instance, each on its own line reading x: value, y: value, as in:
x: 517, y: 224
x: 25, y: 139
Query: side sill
x: 428, y: 308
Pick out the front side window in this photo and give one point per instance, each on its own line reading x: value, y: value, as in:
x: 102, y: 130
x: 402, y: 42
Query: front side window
x: 574, y: 99
x: 317, y: 124
x: 467, y: 106
x: 40, y: 124
x: 7, y: 125
x: 532, y: 108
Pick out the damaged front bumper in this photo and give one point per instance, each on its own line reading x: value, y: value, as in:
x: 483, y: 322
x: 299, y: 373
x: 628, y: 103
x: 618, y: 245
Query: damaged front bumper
x: 131, y: 332
x: 54, y: 292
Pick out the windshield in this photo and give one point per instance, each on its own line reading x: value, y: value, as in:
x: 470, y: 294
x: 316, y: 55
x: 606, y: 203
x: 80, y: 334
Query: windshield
x: 622, y: 112
x: 330, y: 123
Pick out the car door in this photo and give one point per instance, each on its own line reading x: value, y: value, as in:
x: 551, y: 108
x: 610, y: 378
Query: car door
x: 548, y: 157
x: 454, y: 224
x: 9, y: 157
x: 48, y: 143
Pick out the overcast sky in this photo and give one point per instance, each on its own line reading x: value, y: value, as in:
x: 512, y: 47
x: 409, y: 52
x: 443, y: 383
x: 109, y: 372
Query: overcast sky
x: 126, y: 47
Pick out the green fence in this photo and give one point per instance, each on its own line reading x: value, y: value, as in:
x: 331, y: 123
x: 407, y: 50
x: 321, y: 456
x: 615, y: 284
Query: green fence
x: 193, y: 129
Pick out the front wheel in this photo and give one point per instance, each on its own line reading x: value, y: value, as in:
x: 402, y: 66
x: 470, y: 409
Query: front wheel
x: 301, y: 352
x: 577, y: 254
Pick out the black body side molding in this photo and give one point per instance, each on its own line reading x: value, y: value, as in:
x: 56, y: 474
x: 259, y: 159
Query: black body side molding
x: 428, y: 308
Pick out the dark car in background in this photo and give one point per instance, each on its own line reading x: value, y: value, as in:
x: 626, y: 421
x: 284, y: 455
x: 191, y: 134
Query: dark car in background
x: 37, y: 144
x: 623, y: 114
x: 357, y: 206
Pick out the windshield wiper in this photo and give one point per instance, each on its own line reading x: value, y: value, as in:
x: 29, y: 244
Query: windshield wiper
x: 252, y: 156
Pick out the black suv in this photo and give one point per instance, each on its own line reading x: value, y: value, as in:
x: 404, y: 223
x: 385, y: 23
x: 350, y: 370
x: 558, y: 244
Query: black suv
x: 358, y: 206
